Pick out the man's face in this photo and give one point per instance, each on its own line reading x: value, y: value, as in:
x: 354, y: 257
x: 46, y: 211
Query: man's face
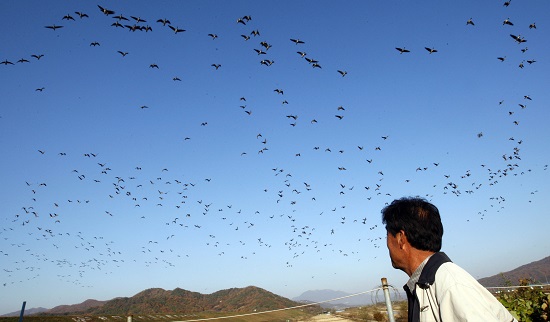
x: 395, y: 251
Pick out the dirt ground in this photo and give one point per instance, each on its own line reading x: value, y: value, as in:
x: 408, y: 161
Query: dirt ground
x: 327, y: 318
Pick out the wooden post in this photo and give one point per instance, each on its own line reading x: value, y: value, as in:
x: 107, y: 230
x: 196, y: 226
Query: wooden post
x: 388, y: 299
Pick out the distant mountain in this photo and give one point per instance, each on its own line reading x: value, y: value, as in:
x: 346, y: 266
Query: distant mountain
x: 34, y: 310
x: 538, y: 271
x: 160, y: 301
x: 325, y: 295
x: 84, y: 306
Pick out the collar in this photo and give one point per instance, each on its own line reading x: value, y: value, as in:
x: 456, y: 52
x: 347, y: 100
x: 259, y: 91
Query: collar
x: 416, y: 275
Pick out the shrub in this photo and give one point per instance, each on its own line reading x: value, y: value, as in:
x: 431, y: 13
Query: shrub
x: 527, y: 303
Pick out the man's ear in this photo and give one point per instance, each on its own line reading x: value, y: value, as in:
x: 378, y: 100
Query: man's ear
x: 402, y: 238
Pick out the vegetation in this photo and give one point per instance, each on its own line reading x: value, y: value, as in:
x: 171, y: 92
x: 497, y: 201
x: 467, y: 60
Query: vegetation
x: 527, y: 303
x: 279, y: 316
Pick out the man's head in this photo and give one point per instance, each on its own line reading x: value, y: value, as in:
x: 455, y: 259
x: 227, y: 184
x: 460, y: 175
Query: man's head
x: 418, y: 219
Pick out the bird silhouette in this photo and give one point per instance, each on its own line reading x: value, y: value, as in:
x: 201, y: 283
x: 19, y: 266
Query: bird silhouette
x: 54, y: 27
x: 176, y: 29
x: 106, y: 11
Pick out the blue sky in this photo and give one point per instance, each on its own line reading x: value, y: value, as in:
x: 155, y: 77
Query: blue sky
x: 220, y: 181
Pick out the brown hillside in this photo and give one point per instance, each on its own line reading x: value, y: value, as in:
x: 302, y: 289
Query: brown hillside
x: 160, y: 301
x: 86, y: 305
x: 538, y: 271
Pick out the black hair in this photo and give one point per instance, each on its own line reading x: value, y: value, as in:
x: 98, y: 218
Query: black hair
x: 418, y: 218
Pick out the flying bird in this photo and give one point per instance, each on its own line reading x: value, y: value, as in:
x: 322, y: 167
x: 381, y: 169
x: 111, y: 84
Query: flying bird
x: 296, y: 41
x: 105, y: 11
x: 81, y: 14
x: 507, y: 22
x: 342, y: 72
x: 176, y: 29
x: 470, y: 22
x: 214, y: 36
x: 37, y: 56
x: 518, y: 38
x: 67, y: 17
x: 402, y: 50
x: 120, y: 17
x: 138, y: 19
x: 164, y: 21
x: 6, y: 62
x: 216, y: 66
x: 54, y: 27
x: 532, y: 26
x: 431, y: 50
x: 154, y: 66
x: 123, y: 53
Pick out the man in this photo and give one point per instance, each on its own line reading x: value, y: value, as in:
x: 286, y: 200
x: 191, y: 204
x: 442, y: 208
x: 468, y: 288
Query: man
x: 437, y: 290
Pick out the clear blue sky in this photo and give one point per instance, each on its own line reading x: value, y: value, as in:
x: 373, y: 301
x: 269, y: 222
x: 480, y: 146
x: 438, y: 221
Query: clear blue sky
x: 203, y: 190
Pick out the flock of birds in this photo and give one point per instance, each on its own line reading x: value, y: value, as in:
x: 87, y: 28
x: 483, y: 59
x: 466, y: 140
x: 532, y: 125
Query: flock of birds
x: 181, y: 209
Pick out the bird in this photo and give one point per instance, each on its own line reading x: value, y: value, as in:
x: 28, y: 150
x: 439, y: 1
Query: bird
x: 518, y: 38
x: 176, y: 79
x: 532, y: 26
x: 214, y: 36
x: 138, y: 19
x: 117, y: 24
x: 81, y: 14
x: 501, y: 58
x: 23, y: 60
x: 245, y: 37
x: 216, y: 66
x: 40, y: 89
x: 154, y: 66
x: 259, y: 51
x: 54, y: 27
x: 507, y: 3
x: 37, y: 56
x: 6, y: 62
x: 265, y: 45
x: 105, y: 11
x: 279, y: 91
x: 164, y: 21
x: 507, y: 22
x: 255, y: 33
x: 302, y: 53
x: 431, y: 50
x: 342, y: 72
x: 67, y: 17
x: 470, y: 22
x: 296, y: 41
x: 123, y: 53
x: 402, y: 50
x: 120, y: 17
x: 176, y: 29
x: 95, y: 43
x: 241, y: 20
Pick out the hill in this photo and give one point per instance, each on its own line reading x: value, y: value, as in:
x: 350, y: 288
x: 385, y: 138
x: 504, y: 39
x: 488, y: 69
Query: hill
x: 538, y: 271
x: 64, y: 309
x: 160, y: 301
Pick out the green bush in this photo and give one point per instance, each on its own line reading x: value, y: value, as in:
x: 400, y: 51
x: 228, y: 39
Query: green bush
x: 527, y: 304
